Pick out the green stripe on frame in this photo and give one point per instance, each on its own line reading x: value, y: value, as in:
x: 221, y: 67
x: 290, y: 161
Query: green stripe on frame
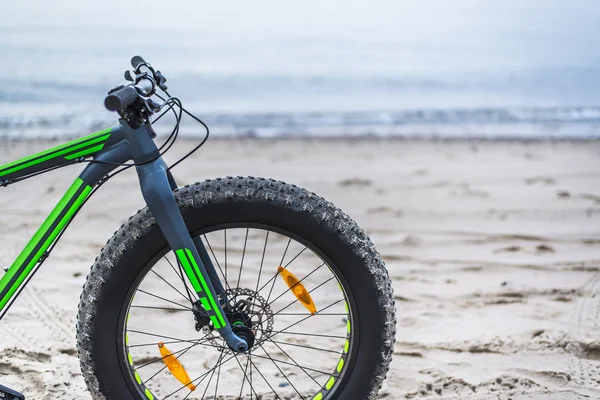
x: 188, y: 270
x: 215, y: 321
x: 205, y: 286
x: 54, y: 152
x: 85, y: 152
x: 205, y: 303
x: 35, y: 241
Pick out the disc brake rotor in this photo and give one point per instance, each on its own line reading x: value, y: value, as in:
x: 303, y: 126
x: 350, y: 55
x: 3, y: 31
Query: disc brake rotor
x: 257, y: 312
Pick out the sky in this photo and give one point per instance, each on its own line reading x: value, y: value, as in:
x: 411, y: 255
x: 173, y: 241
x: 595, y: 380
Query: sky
x: 310, y: 55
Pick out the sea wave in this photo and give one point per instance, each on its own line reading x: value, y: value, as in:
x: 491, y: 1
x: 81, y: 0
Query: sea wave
x: 569, y: 122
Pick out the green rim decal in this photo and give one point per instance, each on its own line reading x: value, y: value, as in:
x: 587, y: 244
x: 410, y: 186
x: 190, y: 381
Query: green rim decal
x: 148, y: 394
x: 136, y: 374
x: 340, y: 365
x: 137, y: 378
x: 50, y: 229
x: 342, y: 362
x: 330, y: 383
x: 66, y: 148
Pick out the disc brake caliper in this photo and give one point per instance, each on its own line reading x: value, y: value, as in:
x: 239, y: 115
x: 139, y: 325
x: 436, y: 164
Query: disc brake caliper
x: 201, y: 316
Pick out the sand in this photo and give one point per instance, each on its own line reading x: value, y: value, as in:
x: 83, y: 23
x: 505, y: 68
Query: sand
x: 493, y: 248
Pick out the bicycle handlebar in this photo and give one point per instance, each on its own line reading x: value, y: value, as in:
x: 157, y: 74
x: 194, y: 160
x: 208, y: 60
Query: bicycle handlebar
x: 121, y: 98
x: 126, y: 95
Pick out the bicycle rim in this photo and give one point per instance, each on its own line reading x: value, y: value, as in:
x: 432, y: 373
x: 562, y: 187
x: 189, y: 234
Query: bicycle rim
x: 296, y: 353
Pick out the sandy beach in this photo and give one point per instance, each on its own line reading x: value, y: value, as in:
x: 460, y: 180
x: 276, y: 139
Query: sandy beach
x: 493, y: 248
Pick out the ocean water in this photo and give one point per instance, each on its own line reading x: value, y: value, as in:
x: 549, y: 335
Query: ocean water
x: 339, y: 67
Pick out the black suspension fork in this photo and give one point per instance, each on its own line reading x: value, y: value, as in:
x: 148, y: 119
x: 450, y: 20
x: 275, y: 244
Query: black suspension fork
x: 157, y: 189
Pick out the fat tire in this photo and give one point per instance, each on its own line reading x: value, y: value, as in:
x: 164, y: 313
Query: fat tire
x: 115, y: 268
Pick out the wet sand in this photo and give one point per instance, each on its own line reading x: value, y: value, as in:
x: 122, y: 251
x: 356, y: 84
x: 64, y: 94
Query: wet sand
x: 493, y: 248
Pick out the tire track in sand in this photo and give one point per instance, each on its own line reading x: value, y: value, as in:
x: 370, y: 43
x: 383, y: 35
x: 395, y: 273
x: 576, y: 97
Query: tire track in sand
x: 585, y: 369
x: 56, y: 321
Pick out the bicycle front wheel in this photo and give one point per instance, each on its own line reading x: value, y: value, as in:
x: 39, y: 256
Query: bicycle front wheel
x: 301, y: 280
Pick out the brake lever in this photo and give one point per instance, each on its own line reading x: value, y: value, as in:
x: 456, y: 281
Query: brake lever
x: 160, y: 80
x: 138, y: 63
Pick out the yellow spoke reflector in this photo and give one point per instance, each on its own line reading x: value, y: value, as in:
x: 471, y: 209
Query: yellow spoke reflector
x: 175, y: 367
x: 298, y: 289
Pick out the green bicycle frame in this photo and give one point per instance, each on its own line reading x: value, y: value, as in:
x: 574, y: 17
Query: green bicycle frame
x: 62, y: 214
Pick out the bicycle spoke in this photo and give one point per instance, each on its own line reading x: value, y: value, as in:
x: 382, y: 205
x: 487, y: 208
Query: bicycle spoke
x: 292, y: 359
x: 180, y: 276
x: 240, y: 365
x: 307, y: 347
x: 218, y: 376
x: 225, y: 235
x: 201, y: 378
x: 300, y: 281
x: 274, y: 279
x: 308, y: 334
x: 163, y: 368
x: 245, y: 376
x: 217, y: 261
x: 281, y: 263
x: 183, y: 351
x: 166, y: 337
x: 296, y: 256
x: 285, y: 251
x: 160, y: 308
x: 251, y: 387
x: 209, y: 380
x: 154, y: 343
x: 295, y: 301
x: 287, y: 363
x: 280, y: 370
x: 262, y: 260
x: 162, y: 298
x: 306, y: 314
x: 242, y: 263
x: 152, y: 377
x: 262, y: 376
x: 304, y: 319
x: 168, y: 283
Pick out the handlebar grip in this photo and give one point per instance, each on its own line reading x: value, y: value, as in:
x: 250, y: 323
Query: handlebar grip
x: 121, y: 98
x: 136, y: 60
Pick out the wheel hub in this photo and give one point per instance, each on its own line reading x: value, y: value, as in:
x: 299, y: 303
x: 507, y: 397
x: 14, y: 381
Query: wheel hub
x: 249, y: 314
x: 244, y: 333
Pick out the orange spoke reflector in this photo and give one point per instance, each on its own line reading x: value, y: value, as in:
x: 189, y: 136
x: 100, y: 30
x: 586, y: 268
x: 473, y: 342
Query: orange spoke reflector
x: 298, y: 289
x: 175, y: 367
